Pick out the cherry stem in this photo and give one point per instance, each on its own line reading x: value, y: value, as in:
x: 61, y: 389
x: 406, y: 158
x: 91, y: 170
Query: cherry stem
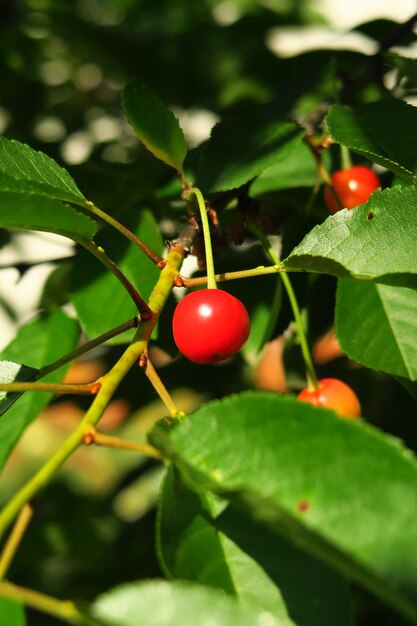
x: 153, y: 256
x: 108, y: 441
x: 256, y: 271
x: 345, y: 157
x: 325, y: 176
x: 312, y: 381
x: 211, y: 277
x: 75, y: 388
x: 322, y: 171
x: 15, y: 538
x: 160, y: 388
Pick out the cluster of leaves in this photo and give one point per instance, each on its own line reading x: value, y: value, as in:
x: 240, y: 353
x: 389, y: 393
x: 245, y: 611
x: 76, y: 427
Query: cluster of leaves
x: 278, y: 504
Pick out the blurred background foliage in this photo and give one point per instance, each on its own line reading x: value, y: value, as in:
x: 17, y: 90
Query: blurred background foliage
x: 63, y: 64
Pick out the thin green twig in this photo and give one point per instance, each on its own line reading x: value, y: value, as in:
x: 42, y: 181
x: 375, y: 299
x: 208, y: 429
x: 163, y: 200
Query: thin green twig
x: 109, y: 383
x: 86, y: 347
x: 15, y: 538
x: 64, y: 610
x: 153, y: 256
x: 312, y: 380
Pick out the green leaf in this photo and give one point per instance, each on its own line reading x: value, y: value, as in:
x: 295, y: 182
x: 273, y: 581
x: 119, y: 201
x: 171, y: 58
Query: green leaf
x: 407, y: 66
x: 13, y: 372
x: 322, y: 481
x: 39, y: 343
x: 31, y: 212
x: 26, y: 170
x: 155, y: 125
x: 100, y: 300
x: 298, y: 170
x: 160, y: 603
x: 380, y: 329
x: 240, y: 149
x: 374, y: 242
x: 206, y: 541
x: 12, y: 613
x: 380, y: 131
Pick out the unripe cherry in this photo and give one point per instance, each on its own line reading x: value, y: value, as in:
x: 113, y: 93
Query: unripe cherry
x: 333, y: 394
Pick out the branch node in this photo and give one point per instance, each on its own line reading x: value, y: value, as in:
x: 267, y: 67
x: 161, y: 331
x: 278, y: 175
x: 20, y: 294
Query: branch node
x: 143, y: 360
x: 146, y: 314
x: 89, y: 438
x: 95, y: 388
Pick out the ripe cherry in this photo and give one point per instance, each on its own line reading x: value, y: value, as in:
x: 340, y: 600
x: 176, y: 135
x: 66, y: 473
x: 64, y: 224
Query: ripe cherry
x: 353, y: 186
x: 210, y: 325
x: 333, y: 394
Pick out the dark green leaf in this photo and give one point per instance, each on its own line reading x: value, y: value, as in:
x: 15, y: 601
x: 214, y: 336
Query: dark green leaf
x: 380, y: 131
x: 39, y: 343
x: 322, y: 481
x: 161, y: 603
x: 155, y: 125
x: 240, y: 149
x: 298, y: 170
x: 13, y: 372
x: 206, y: 541
x: 12, y: 613
x: 406, y: 66
x: 377, y: 326
x: 374, y: 242
x: 26, y: 170
x: 100, y: 300
x: 32, y: 212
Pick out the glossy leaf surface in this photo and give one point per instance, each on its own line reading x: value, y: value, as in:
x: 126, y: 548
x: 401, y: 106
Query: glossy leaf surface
x: 160, y: 603
x: 380, y: 131
x: 35, y: 212
x: 155, y: 125
x: 26, y: 170
x: 202, y: 539
x: 40, y: 343
x: 298, y: 170
x: 372, y: 242
x: 380, y: 330
x: 240, y: 149
x: 287, y: 464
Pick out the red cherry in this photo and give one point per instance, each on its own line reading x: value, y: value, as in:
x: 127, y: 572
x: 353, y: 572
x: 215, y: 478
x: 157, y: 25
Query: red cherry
x: 333, y: 394
x: 353, y: 186
x: 210, y: 325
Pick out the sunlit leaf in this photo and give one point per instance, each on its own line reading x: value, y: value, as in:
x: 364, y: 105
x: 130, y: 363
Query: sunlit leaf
x: 35, y: 212
x: 155, y: 125
x: 322, y: 481
x: 39, y: 343
x: 26, y: 170
x: 380, y: 329
x: 380, y: 131
x: 160, y: 603
x: 374, y: 241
